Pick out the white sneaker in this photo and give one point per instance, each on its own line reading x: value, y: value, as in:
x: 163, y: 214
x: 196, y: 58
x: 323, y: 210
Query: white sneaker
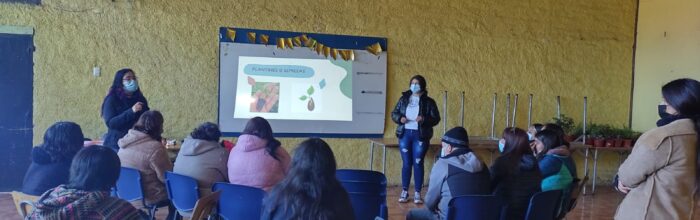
x: 404, y: 196
x: 417, y: 199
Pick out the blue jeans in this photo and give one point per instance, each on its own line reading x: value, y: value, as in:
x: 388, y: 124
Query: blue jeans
x: 412, y: 153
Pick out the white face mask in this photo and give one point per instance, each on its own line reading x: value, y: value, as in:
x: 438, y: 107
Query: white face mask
x: 530, y: 137
x: 443, y: 150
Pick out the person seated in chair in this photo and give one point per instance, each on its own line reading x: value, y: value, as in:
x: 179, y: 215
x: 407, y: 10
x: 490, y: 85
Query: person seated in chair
x: 457, y: 172
x: 94, y: 171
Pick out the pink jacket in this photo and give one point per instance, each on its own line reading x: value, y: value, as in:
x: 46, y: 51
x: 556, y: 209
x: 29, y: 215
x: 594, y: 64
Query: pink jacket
x: 249, y: 164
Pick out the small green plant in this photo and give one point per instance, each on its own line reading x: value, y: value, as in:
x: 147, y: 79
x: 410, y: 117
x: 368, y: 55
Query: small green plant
x: 566, y: 123
x: 310, y: 105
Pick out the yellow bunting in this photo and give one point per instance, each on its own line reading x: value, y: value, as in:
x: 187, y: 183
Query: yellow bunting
x: 251, y: 37
x: 297, y: 41
x: 334, y: 53
x: 230, y: 33
x: 326, y: 51
x: 375, y: 49
x: 319, y: 48
x: 345, y: 54
x: 311, y: 43
x: 288, y: 43
x: 264, y: 39
x: 351, y: 55
x: 304, y: 39
x: 280, y: 43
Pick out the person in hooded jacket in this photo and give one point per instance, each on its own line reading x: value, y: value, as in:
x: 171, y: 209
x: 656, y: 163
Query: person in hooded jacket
x: 122, y: 106
x: 258, y: 160
x: 51, y: 160
x: 515, y: 175
x: 415, y: 114
x: 203, y: 158
x: 457, y: 172
x: 555, y: 162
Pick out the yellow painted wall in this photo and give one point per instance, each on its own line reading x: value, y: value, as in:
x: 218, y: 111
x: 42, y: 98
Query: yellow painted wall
x: 545, y: 47
x: 668, y: 47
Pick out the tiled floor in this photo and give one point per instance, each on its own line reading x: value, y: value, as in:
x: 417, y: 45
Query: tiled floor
x: 600, y: 206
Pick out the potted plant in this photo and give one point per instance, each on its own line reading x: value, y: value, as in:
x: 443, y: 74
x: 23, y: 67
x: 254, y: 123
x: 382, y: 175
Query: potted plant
x: 567, y: 124
x: 608, y: 133
x: 627, y: 135
x: 597, y: 135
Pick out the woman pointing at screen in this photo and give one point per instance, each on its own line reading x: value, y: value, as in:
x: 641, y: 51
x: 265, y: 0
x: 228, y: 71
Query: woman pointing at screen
x: 416, y: 114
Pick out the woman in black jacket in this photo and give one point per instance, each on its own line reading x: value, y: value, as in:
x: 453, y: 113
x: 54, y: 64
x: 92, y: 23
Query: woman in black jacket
x: 122, y: 106
x: 515, y: 175
x: 416, y: 114
x: 51, y: 160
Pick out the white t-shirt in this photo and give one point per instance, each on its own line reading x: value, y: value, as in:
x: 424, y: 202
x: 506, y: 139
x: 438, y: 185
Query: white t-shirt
x: 412, y: 113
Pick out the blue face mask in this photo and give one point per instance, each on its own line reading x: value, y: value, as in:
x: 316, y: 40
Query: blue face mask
x: 501, y: 146
x: 415, y: 88
x: 530, y: 137
x: 131, y: 85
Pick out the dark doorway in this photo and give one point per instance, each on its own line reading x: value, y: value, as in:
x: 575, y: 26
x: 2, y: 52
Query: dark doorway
x: 16, y: 96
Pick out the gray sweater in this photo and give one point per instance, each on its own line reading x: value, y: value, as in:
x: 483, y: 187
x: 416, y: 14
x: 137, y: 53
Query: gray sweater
x: 457, y: 174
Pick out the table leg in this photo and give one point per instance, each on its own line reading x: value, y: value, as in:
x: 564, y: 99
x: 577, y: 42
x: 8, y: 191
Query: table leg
x: 585, y: 168
x: 371, y: 154
x: 595, y: 170
x: 384, y: 160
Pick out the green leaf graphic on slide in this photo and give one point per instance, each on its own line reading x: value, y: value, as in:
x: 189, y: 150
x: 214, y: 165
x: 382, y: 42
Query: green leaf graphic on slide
x: 310, y: 90
x: 303, y: 98
x: 346, y: 83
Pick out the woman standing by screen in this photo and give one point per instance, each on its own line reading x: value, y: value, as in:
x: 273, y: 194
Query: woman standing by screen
x: 416, y: 114
x: 122, y: 106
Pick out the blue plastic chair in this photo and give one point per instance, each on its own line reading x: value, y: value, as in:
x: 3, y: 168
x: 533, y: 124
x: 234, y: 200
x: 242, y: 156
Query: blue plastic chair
x: 477, y: 207
x: 239, y: 202
x: 129, y: 188
x: 544, y: 205
x: 367, y: 191
x: 183, y: 191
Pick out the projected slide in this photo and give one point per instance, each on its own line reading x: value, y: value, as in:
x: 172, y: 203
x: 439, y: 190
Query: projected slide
x: 304, y: 84
x: 295, y: 89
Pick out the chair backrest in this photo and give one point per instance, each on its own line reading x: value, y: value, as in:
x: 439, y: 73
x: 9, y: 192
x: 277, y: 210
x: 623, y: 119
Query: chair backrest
x: 239, y: 202
x: 23, y: 202
x: 129, y: 185
x: 367, y: 191
x: 204, y: 206
x: 477, y: 207
x: 544, y: 205
x: 575, y: 194
x: 183, y: 191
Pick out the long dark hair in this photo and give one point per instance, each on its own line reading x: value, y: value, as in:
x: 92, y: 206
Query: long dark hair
x: 550, y: 139
x: 117, y: 88
x: 62, y: 141
x: 151, y: 123
x: 259, y: 127
x: 94, y: 168
x: 684, y: 96
x: 207, y: 131
x: 558, y: 130
x: 306, y: 191
x: 517, y: 146
x: 421, y: 82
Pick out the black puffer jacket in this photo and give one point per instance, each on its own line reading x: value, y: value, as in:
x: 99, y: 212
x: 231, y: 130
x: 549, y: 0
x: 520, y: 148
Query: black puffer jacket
x: 428, y: 110
x: 516, y: 186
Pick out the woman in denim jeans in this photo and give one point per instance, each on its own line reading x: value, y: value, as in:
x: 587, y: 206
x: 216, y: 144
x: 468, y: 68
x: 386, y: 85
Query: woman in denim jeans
x: 416, y: 114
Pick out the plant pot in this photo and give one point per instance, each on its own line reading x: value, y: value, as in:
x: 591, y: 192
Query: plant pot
x: 627, y: 143
x: 610, y: 143
x: 599, y: 142
x: 618, y: 142
x: 569, y: 138
x: 589, y: 141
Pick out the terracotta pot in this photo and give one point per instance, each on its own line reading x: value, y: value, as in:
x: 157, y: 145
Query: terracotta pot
x: 589, y: 141
x: 627, y: 143
x: 569, y: 138
x: 618, y: 142
x: 610, y: 143
x: 599, y: 142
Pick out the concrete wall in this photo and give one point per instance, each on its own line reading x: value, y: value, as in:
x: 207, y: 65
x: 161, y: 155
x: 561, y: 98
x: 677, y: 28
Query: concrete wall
x: 545, y: 47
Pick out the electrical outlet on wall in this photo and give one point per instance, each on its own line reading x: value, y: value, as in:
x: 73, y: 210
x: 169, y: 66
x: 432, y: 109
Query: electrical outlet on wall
x: 96, y: 71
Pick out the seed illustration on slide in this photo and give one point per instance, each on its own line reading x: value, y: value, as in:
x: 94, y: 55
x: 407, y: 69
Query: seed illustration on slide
x: 310, y: 105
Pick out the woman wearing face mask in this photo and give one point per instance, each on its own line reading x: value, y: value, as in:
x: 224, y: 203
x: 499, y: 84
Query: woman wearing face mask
x: 515, y: 176
x: 660, y: 176
x: 122, y: 106
x: 416, y: 114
